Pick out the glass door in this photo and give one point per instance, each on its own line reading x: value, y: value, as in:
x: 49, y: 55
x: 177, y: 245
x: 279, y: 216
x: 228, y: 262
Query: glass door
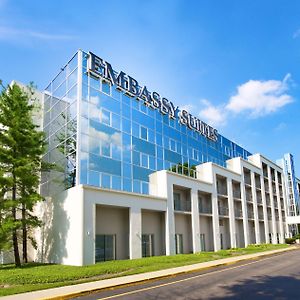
x: 147, y: 245
x: 179, y: 243
x: 105, y: 247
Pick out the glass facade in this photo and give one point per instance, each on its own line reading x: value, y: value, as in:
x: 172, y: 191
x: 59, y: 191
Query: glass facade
x: 120, y: 139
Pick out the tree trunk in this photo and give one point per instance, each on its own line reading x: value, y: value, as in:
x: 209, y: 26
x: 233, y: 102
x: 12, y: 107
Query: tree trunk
x: 24, y: 229
x: 14, y: 232
x: 15, y: 242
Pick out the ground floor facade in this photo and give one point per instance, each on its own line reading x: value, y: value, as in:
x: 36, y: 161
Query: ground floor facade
x: 219, y: 209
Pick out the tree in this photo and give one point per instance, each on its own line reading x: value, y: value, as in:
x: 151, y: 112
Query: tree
x: 21, y: 148
x: 184, y: 169
x: 67, y: 146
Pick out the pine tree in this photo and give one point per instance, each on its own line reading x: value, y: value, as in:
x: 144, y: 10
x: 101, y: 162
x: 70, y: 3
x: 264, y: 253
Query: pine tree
x: 21, y: 149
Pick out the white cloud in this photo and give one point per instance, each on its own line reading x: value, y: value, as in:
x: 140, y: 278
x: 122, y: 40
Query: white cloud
x: 281, y: 126
x: 188, y: 107
x: 213, y: 115
x: 9, y: 33
x: 260, y: 97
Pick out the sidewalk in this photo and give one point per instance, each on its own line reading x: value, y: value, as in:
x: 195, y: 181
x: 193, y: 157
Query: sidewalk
x: 77, y: 289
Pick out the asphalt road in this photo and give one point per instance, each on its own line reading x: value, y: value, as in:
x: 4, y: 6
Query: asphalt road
x: 273, y: 277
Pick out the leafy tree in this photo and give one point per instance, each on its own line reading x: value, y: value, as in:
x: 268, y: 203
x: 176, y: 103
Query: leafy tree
x: 67, y: 146
x: 184, y: 169
x: 21, y: 148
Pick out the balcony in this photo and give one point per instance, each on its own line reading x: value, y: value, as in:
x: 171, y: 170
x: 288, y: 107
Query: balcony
x: 223, y: 210
x: 205, y: 209
x: 237, y: 195
x: 181, y: 205
x: 222, y: 191
x: 250, y: 215
x: 238, y: 213
x: 249, y: 197
x: 259, y: 200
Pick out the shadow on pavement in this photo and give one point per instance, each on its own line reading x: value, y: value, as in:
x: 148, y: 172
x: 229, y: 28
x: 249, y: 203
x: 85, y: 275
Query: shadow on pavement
x: 264, y: 287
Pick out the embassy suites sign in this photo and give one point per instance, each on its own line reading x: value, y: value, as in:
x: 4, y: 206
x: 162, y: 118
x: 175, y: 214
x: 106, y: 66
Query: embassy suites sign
x: 99, y: 68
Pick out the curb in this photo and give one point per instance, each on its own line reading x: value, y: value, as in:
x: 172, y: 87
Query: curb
x: 70, y: 291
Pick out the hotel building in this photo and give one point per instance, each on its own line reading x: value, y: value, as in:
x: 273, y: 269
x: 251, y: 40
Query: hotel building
x: 136, y: 176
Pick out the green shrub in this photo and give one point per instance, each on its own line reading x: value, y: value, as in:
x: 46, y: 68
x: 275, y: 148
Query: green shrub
x: 290, y: 240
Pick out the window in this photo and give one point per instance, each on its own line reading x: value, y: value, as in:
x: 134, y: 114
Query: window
x: 147, y: 245
x: 105, y: 183
x: 144, y: 133
x: 106, y: 87
x: 179, y: 243
x: 177, y: 201
x: 172, y: 145
x: 195, y: 154
x: 143, y: 108
x: 105, y: 117
x: 105, y: 247
x: 172, y: 123
x: 144, y: 160
x: 106, y: 149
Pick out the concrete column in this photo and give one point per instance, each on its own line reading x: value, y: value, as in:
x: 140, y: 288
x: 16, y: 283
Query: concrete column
x: 135, y: 232
x: 274, y: 235
x: 232, y: 224
x: 265, y: 210
x: 170, y: 222
x: 281, y: 231
x: 245, y: 213
x: 285, y: 205
x: 215, y: 216
x: 255, y: 211
x: 195, y: 221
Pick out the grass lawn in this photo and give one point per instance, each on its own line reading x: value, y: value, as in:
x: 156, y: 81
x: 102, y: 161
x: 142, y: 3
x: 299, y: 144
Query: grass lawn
x: 34, y: 276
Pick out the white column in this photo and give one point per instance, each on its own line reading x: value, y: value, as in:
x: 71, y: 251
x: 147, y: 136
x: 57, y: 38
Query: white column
x: 232, y: 225
x: 245, y: 213
x: 255, y: 211
x: 170, y: 222
x: 285, y: 204
x: 265, y: 210
x: 274, y: 235
x: 135, y: 232
x: 215, y: 216
x: 195, y: 221
x: 281, y: 231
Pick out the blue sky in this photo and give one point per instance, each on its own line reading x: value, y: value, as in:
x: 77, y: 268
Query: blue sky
x: 233, y: 63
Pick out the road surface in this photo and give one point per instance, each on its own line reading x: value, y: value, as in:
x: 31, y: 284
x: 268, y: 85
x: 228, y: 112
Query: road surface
x: 272, y: 277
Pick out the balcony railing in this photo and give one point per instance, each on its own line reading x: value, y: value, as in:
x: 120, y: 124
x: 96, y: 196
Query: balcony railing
x: 182, y: 206
x: 237, y: 195
x: 260, y: 216
x: 250, y: 215
x: 223, y: 210
x: 248, y: 197
x: 222, y: 191
x: 205, y: 209
x: 238, y: 213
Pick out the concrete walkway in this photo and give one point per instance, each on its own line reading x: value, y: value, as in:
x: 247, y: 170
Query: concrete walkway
x: 70, y: 290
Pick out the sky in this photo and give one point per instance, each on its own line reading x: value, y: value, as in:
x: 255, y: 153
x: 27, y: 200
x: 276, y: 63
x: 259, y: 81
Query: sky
x: 232, y: 63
